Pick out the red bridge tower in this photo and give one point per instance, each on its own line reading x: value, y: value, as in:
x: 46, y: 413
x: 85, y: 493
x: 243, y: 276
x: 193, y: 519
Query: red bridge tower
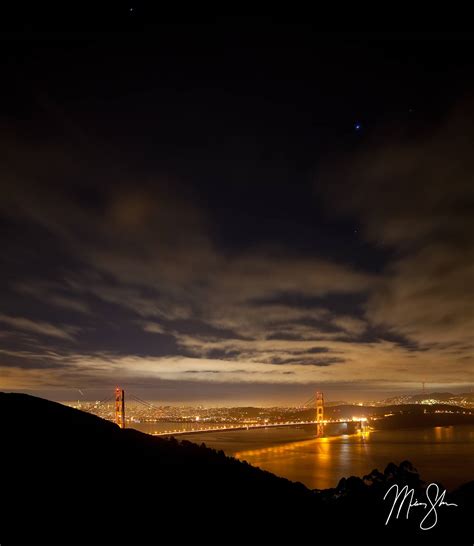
x: 120, y: 407
x: 319, y: 414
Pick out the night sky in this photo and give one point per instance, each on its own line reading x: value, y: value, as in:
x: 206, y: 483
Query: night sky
x: 241, y: 211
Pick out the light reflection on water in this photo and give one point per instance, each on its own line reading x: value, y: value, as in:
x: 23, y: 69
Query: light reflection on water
x: 443, y: 454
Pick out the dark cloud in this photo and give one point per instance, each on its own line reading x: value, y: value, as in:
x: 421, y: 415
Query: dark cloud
x: 160, y: 236
x: 307, y: 361
x: 414, y: 194
x: 39, y: 327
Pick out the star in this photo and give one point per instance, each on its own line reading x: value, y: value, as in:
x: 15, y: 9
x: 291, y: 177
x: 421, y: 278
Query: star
x: 357, y: 126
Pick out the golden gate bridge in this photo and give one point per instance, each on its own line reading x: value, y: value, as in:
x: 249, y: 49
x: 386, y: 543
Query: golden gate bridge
x: 316, y: 401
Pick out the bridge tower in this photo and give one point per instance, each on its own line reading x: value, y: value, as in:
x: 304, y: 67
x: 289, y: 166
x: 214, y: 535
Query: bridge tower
x: 120, y: 407
x: 319, y: 414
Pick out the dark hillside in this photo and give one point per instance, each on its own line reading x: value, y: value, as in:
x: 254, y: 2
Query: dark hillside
x: 70, y: 477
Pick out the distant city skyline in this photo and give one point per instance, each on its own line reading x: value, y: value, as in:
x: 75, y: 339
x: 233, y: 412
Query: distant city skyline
x: 278, y: 399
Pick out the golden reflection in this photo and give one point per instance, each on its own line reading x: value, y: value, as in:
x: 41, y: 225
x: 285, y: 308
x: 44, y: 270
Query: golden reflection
x: 364, y: 434
x: 320, y: 445
x: 443, y: 433
x: 316, y: 457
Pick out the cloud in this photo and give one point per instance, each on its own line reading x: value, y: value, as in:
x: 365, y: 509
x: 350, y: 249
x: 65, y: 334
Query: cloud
x: 154, y: 328
x: 136, y: 253
x: 39, y: 327
x: 148, y: 250
x: 384, y: 365
x: 46, y: 292
x: 408, y: 189
x: 414, y: 196
x: 428, y: 296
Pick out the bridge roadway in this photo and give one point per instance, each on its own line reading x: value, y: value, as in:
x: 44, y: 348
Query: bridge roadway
x: 252, y: 427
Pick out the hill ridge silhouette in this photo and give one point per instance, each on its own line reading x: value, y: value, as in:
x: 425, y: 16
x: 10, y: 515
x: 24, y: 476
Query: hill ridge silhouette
x: 71, y: 477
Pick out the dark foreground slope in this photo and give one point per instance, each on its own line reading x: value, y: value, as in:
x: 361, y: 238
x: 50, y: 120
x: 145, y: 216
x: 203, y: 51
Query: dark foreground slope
x: 70, y: 477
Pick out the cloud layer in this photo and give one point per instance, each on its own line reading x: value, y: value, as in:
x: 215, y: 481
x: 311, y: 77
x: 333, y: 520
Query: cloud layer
x: 127, y: 279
